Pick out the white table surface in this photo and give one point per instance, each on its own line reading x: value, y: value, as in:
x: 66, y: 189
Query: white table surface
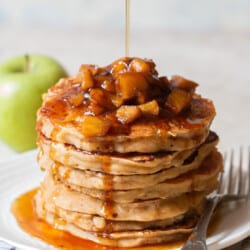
x: 220, y: 62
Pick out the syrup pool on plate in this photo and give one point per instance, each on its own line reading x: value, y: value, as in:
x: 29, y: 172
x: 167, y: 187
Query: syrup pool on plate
x: 23, y: 210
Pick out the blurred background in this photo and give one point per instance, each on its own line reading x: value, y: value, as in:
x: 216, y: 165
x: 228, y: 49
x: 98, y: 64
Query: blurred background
x: 171, y: 15
x: 207, y: 41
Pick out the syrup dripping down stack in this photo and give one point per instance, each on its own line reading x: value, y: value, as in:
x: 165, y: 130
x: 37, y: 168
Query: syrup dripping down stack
x: 128, y: 154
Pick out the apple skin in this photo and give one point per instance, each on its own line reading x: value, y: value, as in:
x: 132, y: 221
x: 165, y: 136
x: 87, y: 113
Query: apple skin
x: 22, y: 83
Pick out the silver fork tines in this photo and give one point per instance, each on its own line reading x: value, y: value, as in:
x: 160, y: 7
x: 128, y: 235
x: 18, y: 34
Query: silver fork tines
x: 234, y: 185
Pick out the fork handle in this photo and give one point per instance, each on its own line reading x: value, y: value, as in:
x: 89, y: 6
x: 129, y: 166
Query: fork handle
x: 197, y: 240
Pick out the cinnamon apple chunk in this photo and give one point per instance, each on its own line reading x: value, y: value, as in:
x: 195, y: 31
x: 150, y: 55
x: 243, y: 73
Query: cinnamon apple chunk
x: 130, y: 83
x: 150, y: 108
x: 178, y: 100
x: 100, y: 97
x: 139, y: 65
x: 95, y: 126
x: 182, y: 83
x: 75, y: 99
x: 127, y: 114
x: 87, y: 79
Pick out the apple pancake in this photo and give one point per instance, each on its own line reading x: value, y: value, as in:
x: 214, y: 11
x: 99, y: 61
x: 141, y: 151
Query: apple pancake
x: 160, y: 185
x: 118, y: 164
x: 93, y: 179
x: 146, y: 210
x: 127, y: 238
x: 95, y: 223
x: 202, y: 179
x: 101, y: 110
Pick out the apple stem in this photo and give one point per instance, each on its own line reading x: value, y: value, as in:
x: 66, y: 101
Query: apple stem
x: 26, y: 65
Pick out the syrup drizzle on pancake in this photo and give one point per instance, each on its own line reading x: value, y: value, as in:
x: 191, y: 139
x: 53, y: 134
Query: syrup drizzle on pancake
x: 108, y: 198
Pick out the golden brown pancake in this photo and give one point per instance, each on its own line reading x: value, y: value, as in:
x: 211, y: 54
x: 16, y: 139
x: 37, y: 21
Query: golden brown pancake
x: 127, y: 238
x: 145, y: 135
x: 134, y: 111
x: 97, y: 223
x: 170, y: 182
x: 202, y: 179
x: 118, y: 164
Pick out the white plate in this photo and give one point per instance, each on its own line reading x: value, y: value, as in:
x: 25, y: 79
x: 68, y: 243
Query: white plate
x: 22, y: 174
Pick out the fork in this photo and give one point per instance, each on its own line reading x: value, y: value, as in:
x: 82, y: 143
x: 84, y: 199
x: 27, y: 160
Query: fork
x: 235, y: 187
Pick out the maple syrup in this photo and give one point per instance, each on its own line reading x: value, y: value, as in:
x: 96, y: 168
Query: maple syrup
x: 127, y: 30
x: 108, y: 195
x: 24, y: 212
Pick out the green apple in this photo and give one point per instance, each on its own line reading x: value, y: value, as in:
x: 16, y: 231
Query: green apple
x: 23, y: 80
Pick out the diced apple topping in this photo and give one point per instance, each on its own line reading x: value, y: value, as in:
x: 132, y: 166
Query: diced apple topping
x: 119, y: 67
x: 178, y: 100
x: 150, y: 108
x: 94, y: 109
x: 127, y: 114
x: 76, y: 99
x: 124, y: 91
x: 95, y: 126
x: 116, y: 100
x: 98, y: 96
x: 87, y: 80
x: 182, y: 83
x: 89, y: 67
x: 108, y: 85
x: 130, y: 83
x: 139, y: 65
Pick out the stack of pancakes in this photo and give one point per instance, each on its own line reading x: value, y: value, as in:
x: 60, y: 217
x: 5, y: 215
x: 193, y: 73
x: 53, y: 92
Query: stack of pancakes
x: 128, y: 154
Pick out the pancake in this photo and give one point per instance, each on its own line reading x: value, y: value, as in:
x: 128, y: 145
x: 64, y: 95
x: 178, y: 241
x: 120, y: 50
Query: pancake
x: 98, y: 180
x: 66, y: 155
x: 148, y: 210
x: 95, y: 223
x: 127, y: 238
x: 101, y: 110
x: 145, y: 136
x: 202, y: 179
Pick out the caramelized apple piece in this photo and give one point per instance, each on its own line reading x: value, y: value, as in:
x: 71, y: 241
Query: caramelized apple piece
x: 87, y: 80
x: 116, y: 100
x: 125, y: 60
x: 95, y: 126
x: 139, y: 65
x: 119, y: 67
x: 101, y: 98
x: 130, y: 83
x: 127, y: 114
x: 100, y: 79
x: 182, y: 83
x: 178, y: 100
x: 75, y: 99
x: 89, y: 67
x: 94, y: 109
x: 109, y: 86
x: 150, y: 108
